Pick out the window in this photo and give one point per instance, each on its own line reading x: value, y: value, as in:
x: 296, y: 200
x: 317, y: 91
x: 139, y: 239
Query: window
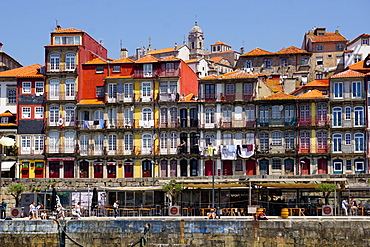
x: 69, y: 142
x: 340, y: 47
x: 276, y: 139
x: 289, y: 140
x: 227, y: 139
x: 26, y: 112
x: 4, y: 120
x: 98, y: 144
x: 338, y: 166
x: 337, y: 143
x: 276, y: 113
x: 112, y: 91
x: 173, y: 87
x: 330, y: 56
x: 284, y: 62
x: 356, y: 89
x: 248, y: 88
x: 99, y: 69
x: 146, y: 89
x: 11, y: 96
x: 210, y: 138
x: 357, y: 58
x: 67, y: 40
x: 229, y: 89
x: 53, y: 115
x: 99, y: 92
x: 128, y: 90
x: 70, y: 89
x: 238, y: 165
x: 26, y: 144
x: 267, y: 63
x: 112, y: 142
x: 304, y: 61
x: 147, y: 114
x: 70, y: 61
x: 227, y: 114
x: 347, y: 113
x: 210, y: 115
x: 348, y: 165
x: 359, y: 142
x: 128, y: 142
x: 359, y: 166
x: 319, y: 60
x: 347, y: 138
x: 365, y: 41
x: 264, y: 114
x: 147, y: 141
x: 249, y: 113
x: 319, y: 47
x: 148, y: 70
x: 128, y: 117
x: 337, y: 116
x: 39, y: 144
x: 359, y: 116
x: 209, y: 91
x: 39, y: 112
x: 276, y: 164
x: 116, y: 68
x: 248, y: 64
x: 163, y: 141
x: 163, y: 117
x: 322, y: 140
x: 173, y: 115
x: 39, y: 87
x: 338, y: 90
x: 305, y: 140
x: 264, y: 141
x: 173, y: 140
x: 53, y: 142
x: 318, y: 76
x: 69, y: 115
x: 54, y: 89
x: 26, y: 87
x: 54, y: 62
x: 170, y: 67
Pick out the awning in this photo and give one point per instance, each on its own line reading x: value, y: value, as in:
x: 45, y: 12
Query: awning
x: 217, y: 186
x: 143, y: 188
x: 6, y: 165
x: 60, y: 159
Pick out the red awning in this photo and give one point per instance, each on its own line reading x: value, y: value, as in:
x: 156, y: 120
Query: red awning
x: 60, y: 159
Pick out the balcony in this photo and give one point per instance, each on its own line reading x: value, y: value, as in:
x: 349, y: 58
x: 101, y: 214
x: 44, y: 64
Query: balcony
x: 170, y: 73
x: 126, y: 123
x: 322, y: 121
x: 209, y: 97
x: 96, y: 124
x: 29, y: 151
x: 304, y: 121
x: 60, y: 124
x: 304, y: 149
x: 323, y: 148
x: 145, y: 74
x: 247, y: 96
x: 168, y: 97
x: 60, y: 149
x: 119, y: 97
x: 251, y: 123
x: 61, y: 96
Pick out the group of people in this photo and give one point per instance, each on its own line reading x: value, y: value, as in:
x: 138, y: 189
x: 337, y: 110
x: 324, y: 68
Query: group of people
x: 34, y: 212
x: 351, y: 206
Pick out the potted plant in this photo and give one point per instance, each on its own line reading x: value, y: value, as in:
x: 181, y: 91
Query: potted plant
x: 25, y: 167
x: 326, y: 189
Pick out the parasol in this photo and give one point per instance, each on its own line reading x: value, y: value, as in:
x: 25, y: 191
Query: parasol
x: 6, y: 141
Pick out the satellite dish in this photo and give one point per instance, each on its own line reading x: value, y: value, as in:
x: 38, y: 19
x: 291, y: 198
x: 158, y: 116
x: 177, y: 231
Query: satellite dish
x: 154, y: 136
x: 132, y: 108
x: 281, y: 107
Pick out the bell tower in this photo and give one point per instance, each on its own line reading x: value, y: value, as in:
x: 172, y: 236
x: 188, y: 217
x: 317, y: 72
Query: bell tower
x: 196, y: 42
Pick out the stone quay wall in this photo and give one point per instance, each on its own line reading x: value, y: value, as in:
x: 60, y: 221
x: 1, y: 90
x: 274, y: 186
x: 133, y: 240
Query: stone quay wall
x: 225, y: 232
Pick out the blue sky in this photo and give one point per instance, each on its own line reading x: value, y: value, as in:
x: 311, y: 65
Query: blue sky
x: 268, y: 24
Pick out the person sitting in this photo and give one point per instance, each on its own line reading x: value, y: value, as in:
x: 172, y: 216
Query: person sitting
x: 353, y: 206
x: 212, y: 214
x: 60, y: 213
x: 43, y: 215
x: 262, y: 216
x: 75, y: 215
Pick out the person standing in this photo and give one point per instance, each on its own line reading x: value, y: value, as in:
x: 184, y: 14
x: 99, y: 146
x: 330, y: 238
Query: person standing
x: 3, y: 209
x: 115, y: 208
x: 345, y: 206
x: 353, y: 206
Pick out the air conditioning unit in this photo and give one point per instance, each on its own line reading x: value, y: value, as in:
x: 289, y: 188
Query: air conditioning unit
x: 174, y: 211
x: 16, y: 212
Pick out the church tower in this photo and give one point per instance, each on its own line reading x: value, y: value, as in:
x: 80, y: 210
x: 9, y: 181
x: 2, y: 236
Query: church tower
x: 196, y: 42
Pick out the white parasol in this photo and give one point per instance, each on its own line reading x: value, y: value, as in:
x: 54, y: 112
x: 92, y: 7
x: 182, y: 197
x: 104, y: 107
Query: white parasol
x: 6, y: 141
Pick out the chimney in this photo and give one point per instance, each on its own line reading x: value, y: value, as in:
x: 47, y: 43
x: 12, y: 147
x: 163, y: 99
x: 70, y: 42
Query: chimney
x: 175, y: 45
x: 59, y: 27
x: 242, y: 50
x: 123, y: 53
x: 1, y: 46
x: 138, y: 53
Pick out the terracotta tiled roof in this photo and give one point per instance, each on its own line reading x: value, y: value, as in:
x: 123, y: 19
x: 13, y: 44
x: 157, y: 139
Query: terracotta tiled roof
x: 209, y: 77
x: 96, y: 61
x: 175, y: 48
x: 257, y: 52
x: 192, y: 60
x: 216, y: 59
x: 364, y: 35
x: 171, y: 58
x: 318, y: 83
x: 7, y: 114
x: 348, y: 73
x: 91, y: 102
x: 279, y: 95
x: 223, y: 51
x: 68, y: 30
x: 22, y: 71
x: 358, y: 66
x: 123, y: 60
x: 274, y: 84
x: 328, y: 37
x: 147, y: 59
x: 220, y: 43
x: 238, y: 75
x: 312, y: 94
x: 292, y: 50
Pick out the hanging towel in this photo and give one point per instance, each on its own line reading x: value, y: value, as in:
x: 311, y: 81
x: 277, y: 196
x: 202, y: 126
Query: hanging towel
x: 101, y: 123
